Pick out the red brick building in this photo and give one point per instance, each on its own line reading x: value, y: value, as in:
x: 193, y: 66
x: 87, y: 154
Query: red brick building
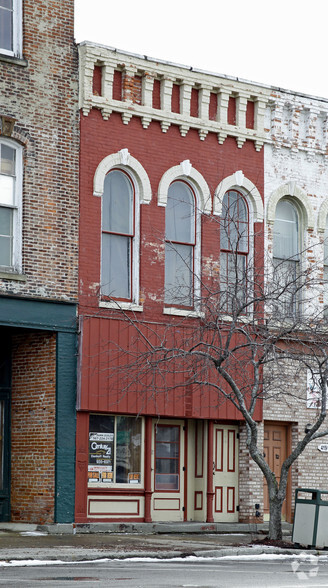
x: 38, y: 259
x: 152, y: 133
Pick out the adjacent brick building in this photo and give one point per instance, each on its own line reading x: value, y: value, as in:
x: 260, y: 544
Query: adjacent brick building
x: 38, y: 259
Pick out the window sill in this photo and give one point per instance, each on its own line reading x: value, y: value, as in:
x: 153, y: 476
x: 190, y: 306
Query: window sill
x: 183, y: 312
x: 117, y: 305
x: 12, y: 276
x: 14, y: 60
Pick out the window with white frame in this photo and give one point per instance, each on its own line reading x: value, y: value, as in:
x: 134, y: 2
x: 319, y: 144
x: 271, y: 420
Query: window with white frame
x: 10, y: 205
x: 115, y: 450
x: 286, y: 258
x: 11, y: 27
x: 180, y: 241
x: 234, y: 244
x: 118, y: 236
x: 325, y: 270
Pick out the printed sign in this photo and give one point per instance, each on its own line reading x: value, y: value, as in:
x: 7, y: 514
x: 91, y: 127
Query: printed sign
x: 134, y: 478
x: 313, y: 390
x: 323, y: 447
x: 101, y: 447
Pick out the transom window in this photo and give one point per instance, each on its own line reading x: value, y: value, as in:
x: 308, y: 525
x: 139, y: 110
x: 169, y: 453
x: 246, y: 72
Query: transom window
x: 286, y: 256
x: 114, y: 450
x: 167, y: 457
x: 234, y: 250
x: 118, y: 227
x: 10, y: 27
x: 10, y: 209
x: 180, y: 239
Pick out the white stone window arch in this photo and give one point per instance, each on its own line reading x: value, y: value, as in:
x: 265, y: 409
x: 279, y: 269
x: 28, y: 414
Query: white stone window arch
x: 11, y: 184
x: 192, y: 183
x: 137, y: 178
x: 239, y: 182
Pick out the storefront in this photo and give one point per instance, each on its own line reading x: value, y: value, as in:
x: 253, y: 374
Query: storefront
x: 147, y: 469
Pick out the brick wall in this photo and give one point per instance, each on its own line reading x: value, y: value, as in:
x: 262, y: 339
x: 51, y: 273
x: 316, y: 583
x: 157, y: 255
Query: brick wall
x: 33, y: 427
x: 42, y: 98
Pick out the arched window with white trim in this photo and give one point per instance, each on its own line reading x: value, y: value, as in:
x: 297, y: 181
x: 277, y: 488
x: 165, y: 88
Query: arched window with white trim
x: 118, y: 232
x: 287, y: 256
x: 234, y: 245
x: 180, y: 241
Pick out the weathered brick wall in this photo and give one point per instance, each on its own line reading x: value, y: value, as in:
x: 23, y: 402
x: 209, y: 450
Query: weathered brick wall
x: 290, y: 406
x: 33, y: 427
x: 250, y: 481
x: 42, y: 98
x: 297, y: 157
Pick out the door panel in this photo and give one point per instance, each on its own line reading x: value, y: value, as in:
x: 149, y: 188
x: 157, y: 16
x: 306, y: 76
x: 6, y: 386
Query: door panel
x: 275, y: 453
x: 168, y: 469
x: 225, y: 473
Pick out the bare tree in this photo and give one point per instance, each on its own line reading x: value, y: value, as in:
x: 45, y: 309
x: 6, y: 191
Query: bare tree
x: 258, y: 321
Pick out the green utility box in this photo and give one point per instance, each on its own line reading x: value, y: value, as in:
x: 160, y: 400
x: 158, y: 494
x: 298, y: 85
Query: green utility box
x: 310, y: 526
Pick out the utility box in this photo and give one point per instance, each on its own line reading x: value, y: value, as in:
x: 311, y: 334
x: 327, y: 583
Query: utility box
x: 310, y: 526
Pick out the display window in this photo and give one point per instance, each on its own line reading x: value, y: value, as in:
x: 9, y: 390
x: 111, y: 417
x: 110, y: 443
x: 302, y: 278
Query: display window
x: 115, y: 455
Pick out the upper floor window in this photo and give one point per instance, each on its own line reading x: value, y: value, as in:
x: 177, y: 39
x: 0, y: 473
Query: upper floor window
x: 325, y: 271
x: 286, y: 257
x: 11, y: 27
x: 234, y: 250
x: 118, y: 230
x: 10, y: 205
x: 180, y: 240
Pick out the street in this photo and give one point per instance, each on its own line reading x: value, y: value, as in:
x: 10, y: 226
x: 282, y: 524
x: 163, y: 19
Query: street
x: 262, y: 572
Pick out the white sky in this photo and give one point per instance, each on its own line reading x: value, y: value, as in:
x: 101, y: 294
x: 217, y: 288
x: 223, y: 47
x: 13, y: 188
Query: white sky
x: 280, y: 43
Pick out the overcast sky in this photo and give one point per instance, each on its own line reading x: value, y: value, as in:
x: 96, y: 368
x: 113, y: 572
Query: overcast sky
x: 280, y: 43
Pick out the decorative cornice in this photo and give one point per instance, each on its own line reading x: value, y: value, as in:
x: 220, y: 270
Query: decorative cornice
x: 168, y: 75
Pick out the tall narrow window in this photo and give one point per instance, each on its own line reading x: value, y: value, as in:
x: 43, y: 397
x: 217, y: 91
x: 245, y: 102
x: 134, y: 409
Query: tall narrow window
x: 180, y: 235
x: 234, y: 251
x: 325, y: 271
x: 286, y: 257
x: 117, y: 236
x: 10, y: 27
x: 10, y: 209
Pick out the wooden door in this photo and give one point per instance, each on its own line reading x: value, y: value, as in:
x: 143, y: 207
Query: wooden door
x: 168, y: 467
x: 225, y: 473
x: 275, y: 453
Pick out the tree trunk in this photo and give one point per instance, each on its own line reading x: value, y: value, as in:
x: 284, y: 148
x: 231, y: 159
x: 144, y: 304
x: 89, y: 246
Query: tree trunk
x: 275, y: 527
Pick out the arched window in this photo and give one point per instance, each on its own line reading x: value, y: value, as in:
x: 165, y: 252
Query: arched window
x: 117, y: 235
x: 10, y: 205
x: 180, y: 239
x: 286, y: 256
x: 234, y: 250
x: 325, y: 271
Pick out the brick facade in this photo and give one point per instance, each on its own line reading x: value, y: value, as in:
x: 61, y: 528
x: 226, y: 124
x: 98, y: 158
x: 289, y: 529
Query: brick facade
x: 38, y: 289
x: 33, y: 427
x: 40, y: 93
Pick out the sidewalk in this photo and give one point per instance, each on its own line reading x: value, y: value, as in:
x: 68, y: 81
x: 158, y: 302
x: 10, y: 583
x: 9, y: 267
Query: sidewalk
x: 161, y: 540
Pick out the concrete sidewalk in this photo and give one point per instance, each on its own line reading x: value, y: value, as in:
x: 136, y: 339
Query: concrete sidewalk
x: 160, y: 540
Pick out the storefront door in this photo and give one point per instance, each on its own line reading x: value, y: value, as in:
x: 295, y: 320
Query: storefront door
x: 275, y: 453
x: 168, y: 469
x: 225, y: 473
